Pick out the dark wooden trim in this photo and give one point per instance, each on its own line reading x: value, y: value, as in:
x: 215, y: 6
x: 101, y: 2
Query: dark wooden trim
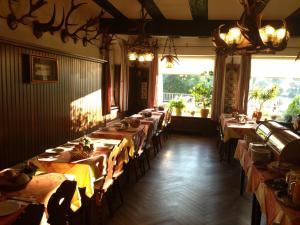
x: 199, y: 9
x: 108, y: 7
x: 295, y: 16
x: 182, y: 27
x: 44, y: 49
x: 152, y: 9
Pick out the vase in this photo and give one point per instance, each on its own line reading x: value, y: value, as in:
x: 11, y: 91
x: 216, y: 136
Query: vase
x: 204, y: 113
x: 178, y: 111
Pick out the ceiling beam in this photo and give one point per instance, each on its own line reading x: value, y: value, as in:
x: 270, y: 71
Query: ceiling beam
x: 152, y: 9
x: 181, y: 27
x: 111, y: 9
x: 199, y: 9
x: 294, y: 16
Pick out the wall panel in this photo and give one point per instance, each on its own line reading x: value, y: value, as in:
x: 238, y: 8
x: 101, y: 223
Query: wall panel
x: 37, y: 116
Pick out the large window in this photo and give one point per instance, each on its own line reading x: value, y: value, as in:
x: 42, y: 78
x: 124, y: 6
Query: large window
x: 282, y: 73
x: 178, y: 82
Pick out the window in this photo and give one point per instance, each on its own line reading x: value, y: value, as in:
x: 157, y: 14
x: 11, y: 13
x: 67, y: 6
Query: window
x: 285, y: 74
x: 177, y: 82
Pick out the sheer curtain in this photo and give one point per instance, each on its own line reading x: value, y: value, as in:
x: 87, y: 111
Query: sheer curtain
x: 218, y: 87
x: 152, y: 100
x: 243, y: 83
x: 124, y: 80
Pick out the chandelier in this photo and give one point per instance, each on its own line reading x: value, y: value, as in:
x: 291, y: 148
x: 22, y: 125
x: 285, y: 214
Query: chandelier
x: 142, y: 48
x: 170, y: 58
x: 248, y: 35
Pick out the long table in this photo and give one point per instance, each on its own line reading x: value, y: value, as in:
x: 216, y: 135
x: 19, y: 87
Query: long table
x: 264, y: 198
x: 86, y: 170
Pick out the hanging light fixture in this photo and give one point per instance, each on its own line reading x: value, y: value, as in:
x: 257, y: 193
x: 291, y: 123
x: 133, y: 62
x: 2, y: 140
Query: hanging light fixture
x: 143, y: 47
x: 171, y: 57
x: 248, y: 35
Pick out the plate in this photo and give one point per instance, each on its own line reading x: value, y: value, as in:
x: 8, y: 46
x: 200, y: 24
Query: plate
x: 54, y: 150
x: 8, y: 207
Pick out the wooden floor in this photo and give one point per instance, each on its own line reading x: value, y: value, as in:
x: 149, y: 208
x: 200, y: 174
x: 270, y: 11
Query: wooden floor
x: 187, y: 185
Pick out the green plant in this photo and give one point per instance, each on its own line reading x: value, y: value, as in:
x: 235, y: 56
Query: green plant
x: 179, y: 104
x: 294, y: 107
x: 203, y: 91
x: 263, y: 95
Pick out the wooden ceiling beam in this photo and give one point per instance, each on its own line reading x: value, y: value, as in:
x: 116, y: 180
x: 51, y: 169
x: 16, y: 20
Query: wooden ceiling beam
x: 294, y: 16
x: 111, y: 9
x: 152, y: 9
x: 182, y: 27
x: 199, y: 9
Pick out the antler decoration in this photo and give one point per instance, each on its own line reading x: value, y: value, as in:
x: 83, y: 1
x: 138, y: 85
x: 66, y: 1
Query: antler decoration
x: 106, y: 40
x: 65, y: 33
x: 89, y: 29
x: 12, y: 20
x: 40, y: 28
x: 249, y: 36
x: 250, y: 22
x: 87, y: 32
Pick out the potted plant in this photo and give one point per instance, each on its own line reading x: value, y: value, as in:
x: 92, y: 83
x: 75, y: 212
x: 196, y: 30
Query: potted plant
x: 261, y: 96
x: 178, y: 105
x: 293, y: 109
x: 203, y: 94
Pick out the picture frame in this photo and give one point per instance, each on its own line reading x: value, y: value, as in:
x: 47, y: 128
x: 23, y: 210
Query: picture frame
x: 43, y: 69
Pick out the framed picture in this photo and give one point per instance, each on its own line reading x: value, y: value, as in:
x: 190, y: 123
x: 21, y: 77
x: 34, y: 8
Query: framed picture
x: 43, y: 69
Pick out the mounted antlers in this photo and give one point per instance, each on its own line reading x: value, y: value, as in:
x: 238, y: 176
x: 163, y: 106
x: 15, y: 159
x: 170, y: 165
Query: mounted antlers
x: 65, y: 33
x: 88, y: 29
x: 12, y: 20
x: 87, y: 32
x: 40, y: 28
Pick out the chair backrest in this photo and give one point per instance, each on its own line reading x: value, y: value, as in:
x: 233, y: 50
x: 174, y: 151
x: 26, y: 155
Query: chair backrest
x: 138, y: 140
x: 149, y: 134
x: 121, y: 157
x: 111, y: 162
x: 167, y: 118
x: 160, y: 122
x: 59, y: 203
x: 31, y: 216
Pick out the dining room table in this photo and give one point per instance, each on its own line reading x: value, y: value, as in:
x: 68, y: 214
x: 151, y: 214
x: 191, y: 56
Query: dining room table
x: 233, y: 129
x: 265, y: 196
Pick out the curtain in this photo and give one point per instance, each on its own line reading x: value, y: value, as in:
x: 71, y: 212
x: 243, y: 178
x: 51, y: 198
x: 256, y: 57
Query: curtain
x: 106, y: 85
x: 152, y: 99
x: 124, y: 80
x: 218, y: 86
x: 243, y: 83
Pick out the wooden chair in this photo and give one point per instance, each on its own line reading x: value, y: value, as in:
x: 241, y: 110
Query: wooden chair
x: 220, y: 142
x: 58, y: 207
x: 147, y: 145
x: 137, y: 161
x: 114, y: 168
x: 31, y: 216
x: 156, y: 139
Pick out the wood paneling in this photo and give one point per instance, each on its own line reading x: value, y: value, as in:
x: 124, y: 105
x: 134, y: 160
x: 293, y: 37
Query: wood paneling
x: 37, y: 116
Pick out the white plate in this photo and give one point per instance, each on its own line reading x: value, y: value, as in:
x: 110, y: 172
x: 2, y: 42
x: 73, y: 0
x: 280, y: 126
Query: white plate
x: 8, y: 207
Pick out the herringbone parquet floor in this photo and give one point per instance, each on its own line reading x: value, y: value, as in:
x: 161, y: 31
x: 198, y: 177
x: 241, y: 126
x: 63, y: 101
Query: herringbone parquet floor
x: 187, y: 185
